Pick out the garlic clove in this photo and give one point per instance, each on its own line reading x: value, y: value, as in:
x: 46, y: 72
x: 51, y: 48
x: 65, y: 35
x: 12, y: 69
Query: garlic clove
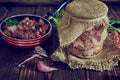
x: 40, y: 51
x: 41, y: 66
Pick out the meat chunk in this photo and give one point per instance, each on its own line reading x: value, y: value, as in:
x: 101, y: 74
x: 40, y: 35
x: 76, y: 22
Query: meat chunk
x: 88, y: 43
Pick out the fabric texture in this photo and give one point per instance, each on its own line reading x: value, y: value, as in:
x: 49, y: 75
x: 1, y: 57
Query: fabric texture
x: 106, y: 59
x: 86, y: 9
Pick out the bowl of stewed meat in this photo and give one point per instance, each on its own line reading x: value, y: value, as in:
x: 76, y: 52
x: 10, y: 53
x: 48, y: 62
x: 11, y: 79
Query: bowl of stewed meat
x: 25, y: 30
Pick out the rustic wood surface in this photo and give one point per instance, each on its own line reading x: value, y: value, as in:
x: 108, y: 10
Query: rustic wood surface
x: 10, y: 56
x: 30, y: 2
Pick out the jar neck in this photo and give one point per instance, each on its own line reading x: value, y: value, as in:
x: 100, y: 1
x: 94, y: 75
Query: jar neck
x: 87, y: 20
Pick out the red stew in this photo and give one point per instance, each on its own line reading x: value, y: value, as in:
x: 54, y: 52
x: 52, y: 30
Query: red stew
x: 27, y: 29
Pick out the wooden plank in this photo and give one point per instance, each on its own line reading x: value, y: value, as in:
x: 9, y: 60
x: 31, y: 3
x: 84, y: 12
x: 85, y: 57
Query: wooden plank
x: 110, y: 14
x: 42, y: 10
x: 15, y: 10
x: 30, y: 2
x: 69, y: 74
x: 95, y: 75
x: 10, y: 57
x: 28, y: 72
x: 105, y: 75
x: 57, y: 75
x: 114, y: 12
x: 117, y: 71
x: 87, y: 75
x: 113, y: 74
x: 7, y: 69
x: 111, y: 0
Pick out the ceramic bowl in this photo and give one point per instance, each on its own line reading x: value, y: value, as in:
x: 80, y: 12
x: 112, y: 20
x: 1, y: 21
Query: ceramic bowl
x: 25, y: 43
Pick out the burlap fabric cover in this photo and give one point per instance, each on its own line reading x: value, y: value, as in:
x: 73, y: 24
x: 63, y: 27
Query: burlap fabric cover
x: 106, y: 60
x: 87, y: 14
x: 84, y: 13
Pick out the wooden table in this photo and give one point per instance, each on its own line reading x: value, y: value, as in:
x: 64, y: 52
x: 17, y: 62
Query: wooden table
x: 10, y: 56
